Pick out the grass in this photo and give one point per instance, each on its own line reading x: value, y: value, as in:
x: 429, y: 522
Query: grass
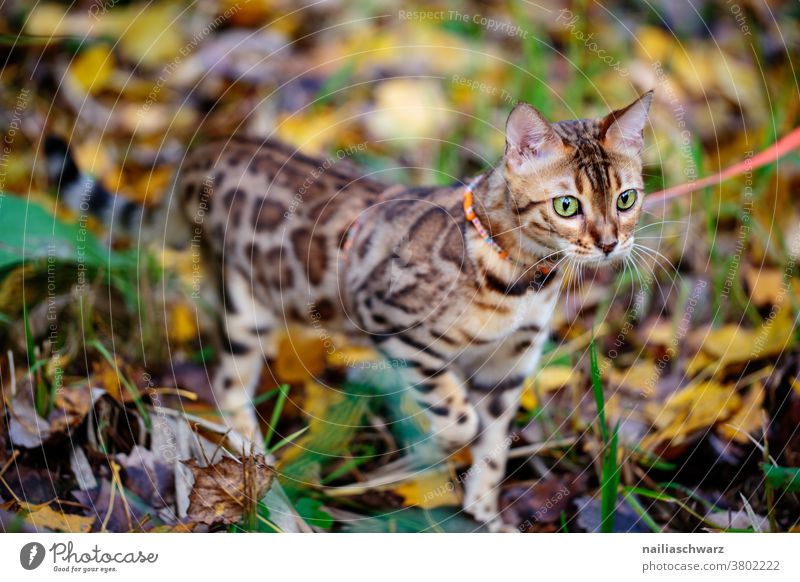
x: 610, y: 471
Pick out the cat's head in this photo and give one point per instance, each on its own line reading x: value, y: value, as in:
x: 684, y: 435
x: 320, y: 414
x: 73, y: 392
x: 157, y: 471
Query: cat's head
x: 576, y: 186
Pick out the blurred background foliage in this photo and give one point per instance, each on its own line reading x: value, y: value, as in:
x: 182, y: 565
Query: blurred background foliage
x: 696, y: 352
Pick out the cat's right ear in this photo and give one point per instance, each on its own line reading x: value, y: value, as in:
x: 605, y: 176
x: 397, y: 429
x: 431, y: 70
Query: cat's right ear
x: 529, y: 136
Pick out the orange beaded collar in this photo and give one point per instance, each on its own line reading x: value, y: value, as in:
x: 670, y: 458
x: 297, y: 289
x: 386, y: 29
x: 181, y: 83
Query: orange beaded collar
x: 469, y: 212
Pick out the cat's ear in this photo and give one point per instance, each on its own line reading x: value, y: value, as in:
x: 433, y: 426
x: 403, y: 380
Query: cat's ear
x: 528, y: 136
x: 622, y: 129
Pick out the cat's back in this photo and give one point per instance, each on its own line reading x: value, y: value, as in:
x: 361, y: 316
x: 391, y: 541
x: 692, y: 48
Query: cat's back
x: 260, y: 194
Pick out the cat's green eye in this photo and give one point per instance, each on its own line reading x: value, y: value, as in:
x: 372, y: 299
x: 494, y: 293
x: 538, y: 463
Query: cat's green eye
x: 626, y: 199
x: 566, y: 206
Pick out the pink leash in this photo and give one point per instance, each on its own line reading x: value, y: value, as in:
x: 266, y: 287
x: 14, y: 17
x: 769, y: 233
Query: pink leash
x: 777, y: 150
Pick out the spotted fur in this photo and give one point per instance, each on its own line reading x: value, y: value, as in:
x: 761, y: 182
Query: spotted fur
x: 296, y: 240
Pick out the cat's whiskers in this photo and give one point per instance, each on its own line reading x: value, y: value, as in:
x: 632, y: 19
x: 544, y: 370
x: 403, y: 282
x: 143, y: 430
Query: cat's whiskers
x: 657, y: 255
x: 659, y: 223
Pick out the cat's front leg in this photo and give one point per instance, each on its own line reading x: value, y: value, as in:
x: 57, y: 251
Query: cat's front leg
x: 495, y: 389
x: 496, y: 410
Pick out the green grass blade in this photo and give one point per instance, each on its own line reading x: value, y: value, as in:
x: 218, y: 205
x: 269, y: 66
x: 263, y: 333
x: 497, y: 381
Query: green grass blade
x: 597, y: 388
x: 276, y: 414
x: 609, y: 484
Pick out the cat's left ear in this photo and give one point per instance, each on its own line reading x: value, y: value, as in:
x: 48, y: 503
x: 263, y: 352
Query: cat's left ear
x: 622, y: 129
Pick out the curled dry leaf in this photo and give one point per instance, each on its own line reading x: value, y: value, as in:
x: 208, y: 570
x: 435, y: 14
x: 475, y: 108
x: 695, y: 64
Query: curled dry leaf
x: 223, y: 491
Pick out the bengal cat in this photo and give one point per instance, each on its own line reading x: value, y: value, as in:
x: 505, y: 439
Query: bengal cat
x: 457, y: 283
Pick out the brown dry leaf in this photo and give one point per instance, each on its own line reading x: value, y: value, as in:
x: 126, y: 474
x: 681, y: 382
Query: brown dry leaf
x: 691, y: 409
x: 71, y: 407
x: 48, y: 518
x: 223, y: 491
x: 26, y: 428
x: 301, y: 357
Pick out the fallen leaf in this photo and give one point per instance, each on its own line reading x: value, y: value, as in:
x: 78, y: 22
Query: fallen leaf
x: 223, y: 491
x: 92, y: 68
x: 429, y: 489
x: 691, y: 409
x: 410, y: 109
x: 301, y: 357
x: 748, y: 420
x: 183, y: 324
x: 148, y: 477
x: 546, y: 380
x: 26, y: 429
x: 542, y: 501
x: 48, y: 518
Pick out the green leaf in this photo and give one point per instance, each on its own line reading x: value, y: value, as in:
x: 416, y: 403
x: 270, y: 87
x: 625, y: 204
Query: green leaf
x: 786, y: 478
x: 28, y: 233
x: 311, y: 511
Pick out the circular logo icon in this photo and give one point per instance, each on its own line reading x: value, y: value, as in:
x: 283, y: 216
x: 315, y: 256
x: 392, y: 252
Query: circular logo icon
x: 31, y: 555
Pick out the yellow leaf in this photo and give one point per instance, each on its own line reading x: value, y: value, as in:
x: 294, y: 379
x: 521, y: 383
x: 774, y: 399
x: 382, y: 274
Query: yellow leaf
x: 428, y: 490
x: 152, y: 37
x: 301, y: 356
x: 92, y: 156
x: 748, y: 420
x: 314, y: 131
x: 693, y: 408
x: 48, y: 518
x: 545, y: 380
x: 409, y: 108
x: 317, y: 401
x: 642, y: 376
x: 654, y: 44
x: 183, y: 324
x: 92, y: 68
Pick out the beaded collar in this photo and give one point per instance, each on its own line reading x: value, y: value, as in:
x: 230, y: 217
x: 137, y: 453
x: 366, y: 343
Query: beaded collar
x: 542, y: 271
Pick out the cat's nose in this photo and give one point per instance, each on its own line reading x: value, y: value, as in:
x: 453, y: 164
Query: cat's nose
x: 606, y: 246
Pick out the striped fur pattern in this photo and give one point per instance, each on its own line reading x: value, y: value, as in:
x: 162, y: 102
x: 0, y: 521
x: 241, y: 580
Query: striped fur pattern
x: 413, y: 276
